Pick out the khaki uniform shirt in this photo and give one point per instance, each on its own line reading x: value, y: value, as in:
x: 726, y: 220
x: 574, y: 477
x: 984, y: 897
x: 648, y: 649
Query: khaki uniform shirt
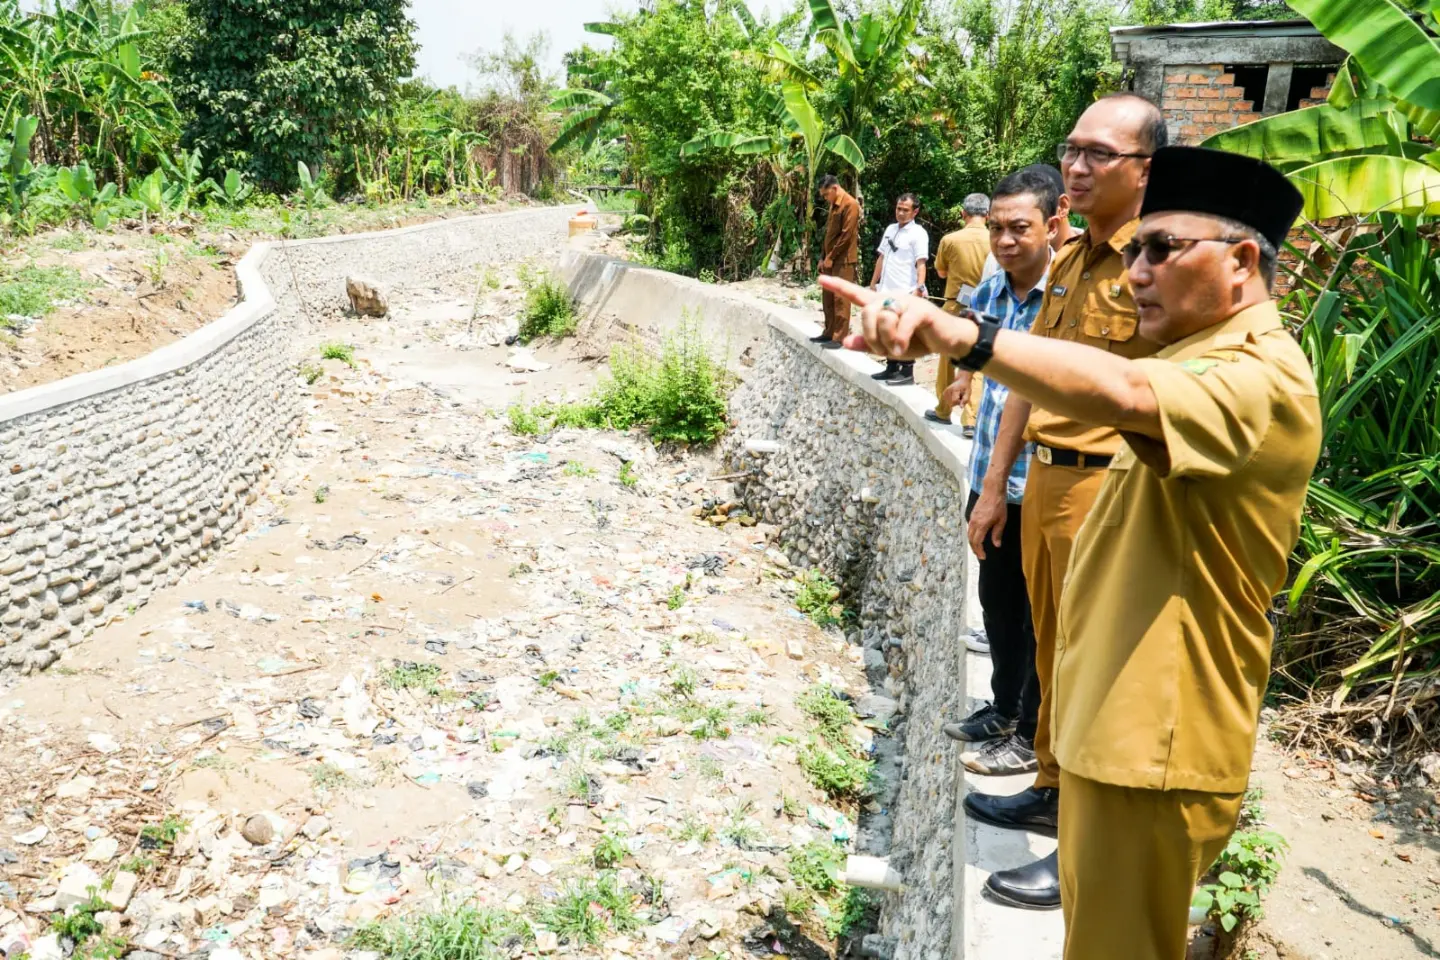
x: 842, y: 231
x: 1088, y: 301
x: 1164, y: 646
x: 961, y: 260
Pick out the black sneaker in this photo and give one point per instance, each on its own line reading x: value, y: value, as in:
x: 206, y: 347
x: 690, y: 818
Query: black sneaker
x: 821, y: 339
x: 934, y: 417
x: 1004, y: 757
x: 891, y: 369
x: 984, y: 724
x: 901, y: 378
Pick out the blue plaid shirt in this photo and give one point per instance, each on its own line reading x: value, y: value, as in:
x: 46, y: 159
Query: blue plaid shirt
x: 994, y: 297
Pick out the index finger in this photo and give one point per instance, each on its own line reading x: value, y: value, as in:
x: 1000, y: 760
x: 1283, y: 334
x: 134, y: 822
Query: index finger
x: 856, y: 294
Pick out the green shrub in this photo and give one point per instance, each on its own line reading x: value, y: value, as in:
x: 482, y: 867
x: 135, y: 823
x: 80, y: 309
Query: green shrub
x: 839, y: 773
x: 548, y: 311
x: 524, y: 421
x: 338, y: 351
x: 689, y: 391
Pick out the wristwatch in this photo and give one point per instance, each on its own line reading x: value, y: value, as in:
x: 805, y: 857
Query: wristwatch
x: 984, y: 347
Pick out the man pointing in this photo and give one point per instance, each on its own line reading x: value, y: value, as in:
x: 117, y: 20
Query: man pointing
x: 1164, y: 645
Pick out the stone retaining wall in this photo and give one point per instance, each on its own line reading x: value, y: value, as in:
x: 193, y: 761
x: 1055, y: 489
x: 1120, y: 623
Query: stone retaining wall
x: 114, y: 483
x: 864, y: 489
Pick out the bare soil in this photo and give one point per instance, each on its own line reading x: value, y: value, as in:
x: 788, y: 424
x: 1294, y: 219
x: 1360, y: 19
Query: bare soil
x: 150, y: 285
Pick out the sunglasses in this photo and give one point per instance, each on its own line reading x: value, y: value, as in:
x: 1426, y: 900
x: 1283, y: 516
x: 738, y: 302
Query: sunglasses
x: 1158, y: 247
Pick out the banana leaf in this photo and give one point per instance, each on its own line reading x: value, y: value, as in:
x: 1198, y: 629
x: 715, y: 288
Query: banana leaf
x: 1361, y: 185
x: 1388, y: 44
x: 1317, y: 131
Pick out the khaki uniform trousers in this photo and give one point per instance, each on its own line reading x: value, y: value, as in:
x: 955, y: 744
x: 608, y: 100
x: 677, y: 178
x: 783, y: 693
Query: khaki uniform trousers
x: 1057, y: 500
x: 945, y: 374
x: 1129, y: 862
x: 837, y: 309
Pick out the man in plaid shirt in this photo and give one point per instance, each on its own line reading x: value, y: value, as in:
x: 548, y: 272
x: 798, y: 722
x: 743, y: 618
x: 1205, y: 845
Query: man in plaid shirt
x: 1023, y: 220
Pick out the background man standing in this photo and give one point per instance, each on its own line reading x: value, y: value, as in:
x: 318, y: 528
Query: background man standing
x: 1024, y: 215
x: 900, y: 268
x: 1105, y: 162
x: 1166, y: 646
x: 960, y: 261
x: 839, y: 257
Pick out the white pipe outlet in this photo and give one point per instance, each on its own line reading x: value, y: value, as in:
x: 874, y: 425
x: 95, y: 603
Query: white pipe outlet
x: 872, y: 873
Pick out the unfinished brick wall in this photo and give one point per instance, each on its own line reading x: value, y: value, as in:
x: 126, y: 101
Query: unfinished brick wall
x: 1318, y: 95
x: 1201, y: 100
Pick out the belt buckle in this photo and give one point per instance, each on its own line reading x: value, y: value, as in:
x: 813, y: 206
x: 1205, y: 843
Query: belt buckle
x: 1042, y: 453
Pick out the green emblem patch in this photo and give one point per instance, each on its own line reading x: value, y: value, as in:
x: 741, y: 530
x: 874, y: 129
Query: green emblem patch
x: 1198, y: 366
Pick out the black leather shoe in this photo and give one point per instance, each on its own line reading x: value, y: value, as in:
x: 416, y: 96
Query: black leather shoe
x: 821, y: 339
x: 935, y: 417
x: 890, y: 370
x: 1035, y: 886
x: 1035, y: 808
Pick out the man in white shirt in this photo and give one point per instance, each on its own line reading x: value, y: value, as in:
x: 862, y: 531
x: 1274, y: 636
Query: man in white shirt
x: 900, y: 268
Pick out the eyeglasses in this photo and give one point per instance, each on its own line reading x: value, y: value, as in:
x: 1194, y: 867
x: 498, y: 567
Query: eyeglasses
x: 1158, y: 247
x: 1098, y: 156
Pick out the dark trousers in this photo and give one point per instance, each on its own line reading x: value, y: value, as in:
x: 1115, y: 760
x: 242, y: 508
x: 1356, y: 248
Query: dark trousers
x: 1005, y: 608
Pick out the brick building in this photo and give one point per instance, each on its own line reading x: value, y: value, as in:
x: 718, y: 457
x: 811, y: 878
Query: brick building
x: 1208, y: 77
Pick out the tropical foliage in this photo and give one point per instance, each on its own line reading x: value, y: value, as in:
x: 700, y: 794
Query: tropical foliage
x: 727, y: 119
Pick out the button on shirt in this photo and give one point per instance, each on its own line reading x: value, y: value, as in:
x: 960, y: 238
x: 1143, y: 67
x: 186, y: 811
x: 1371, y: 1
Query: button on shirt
x: 1164, y: 646
x: 1088, y: 301
x: 997, y: 298
x: 910, y: 244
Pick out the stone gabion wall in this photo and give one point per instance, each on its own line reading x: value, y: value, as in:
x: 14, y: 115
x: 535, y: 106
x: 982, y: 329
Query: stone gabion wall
x: 857, y: 494
x: 106, y: 497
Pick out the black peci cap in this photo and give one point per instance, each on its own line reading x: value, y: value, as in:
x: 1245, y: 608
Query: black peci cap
x: 1196, y: 180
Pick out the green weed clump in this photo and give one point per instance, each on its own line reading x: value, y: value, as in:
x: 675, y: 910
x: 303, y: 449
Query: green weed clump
x: 407, y: 675
x: 588, y: 910
x: 1243, y: 873
x: 832, y: 762
x: 816, y: 599
x: 454, y: 932
x: 548, y: 310
x: 338, y: 351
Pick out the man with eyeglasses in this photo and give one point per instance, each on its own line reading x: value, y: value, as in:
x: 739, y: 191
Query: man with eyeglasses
x: 1105, y: 164
x: 1165, y: 640
x: 900, y: 268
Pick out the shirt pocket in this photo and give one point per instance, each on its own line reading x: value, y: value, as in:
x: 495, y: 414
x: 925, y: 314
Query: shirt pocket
x: 1106, y: 322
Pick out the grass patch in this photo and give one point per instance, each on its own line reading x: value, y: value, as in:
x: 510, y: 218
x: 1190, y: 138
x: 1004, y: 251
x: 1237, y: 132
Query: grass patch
x: 693, y: 829
x: 832, y: 715
x: 408, y: 675
x: 709, y: 769
x: 84, y: 930
x: 816, y: 599
x: 33, y: 291
x: 462, y: 932
x: 683, y: 681
x: 548, y: 311
x: 574, y: 468
x: 676, y: 600
x: 756, y: 717
x: 322, y: 493
x: 327, y: 776
x: 588, y: 910
x: 311, y: 372
x: 817, y: 865
x: 338, y: 351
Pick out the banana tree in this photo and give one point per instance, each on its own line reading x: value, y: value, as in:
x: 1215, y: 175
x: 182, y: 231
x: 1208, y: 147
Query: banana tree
x: 872, y: 56
x: 798, y: 120
x: 1357, y: 153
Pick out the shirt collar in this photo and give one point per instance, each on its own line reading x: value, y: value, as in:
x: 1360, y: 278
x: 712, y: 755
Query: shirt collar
x: 1039, y: 284
x: 1231, y: 332
x: 1121, y: 237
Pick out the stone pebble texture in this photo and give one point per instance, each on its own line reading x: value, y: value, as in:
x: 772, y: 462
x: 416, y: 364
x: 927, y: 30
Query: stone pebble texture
x: 107, y: 498
x: 856, y: 494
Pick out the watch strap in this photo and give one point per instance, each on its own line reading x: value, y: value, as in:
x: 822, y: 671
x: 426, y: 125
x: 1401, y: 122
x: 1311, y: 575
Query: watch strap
x: 984, y: 347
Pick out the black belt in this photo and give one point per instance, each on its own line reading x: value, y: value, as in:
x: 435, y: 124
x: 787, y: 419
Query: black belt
x: 1060, y: 457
